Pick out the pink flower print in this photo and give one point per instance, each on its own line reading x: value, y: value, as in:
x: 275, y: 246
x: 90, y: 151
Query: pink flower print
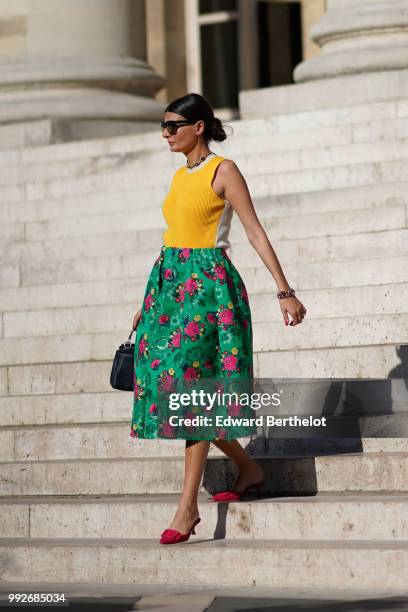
x: 226, y: 316
x: 190, y: 373
x: 191, y: 286
x: 219, y: 387
x: 230, y: 362
x: 180, y: 293
x: 209, y: 274
x: 244, y: 294
x: 175, y: 340
x: 233, y: 409
x: 143, y: 344
x: 184, y: 254
x: 153, y: 409
x: 244, y: 323
x: 211, y: 317
x: 138, y: 391
x: 192, y: 329
x: 220, y: 272
x: 149, y: 301
x: 166, y: 381
x: 167, y: 431
x: 155, y: 364
x: 168, y: 274
x: 164, y: 319
x: 208, y: 364
x: 133, y: 434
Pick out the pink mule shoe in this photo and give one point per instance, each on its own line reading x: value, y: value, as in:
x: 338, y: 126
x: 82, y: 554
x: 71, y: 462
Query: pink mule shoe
x: 172, y: 536
x: 225, y: 496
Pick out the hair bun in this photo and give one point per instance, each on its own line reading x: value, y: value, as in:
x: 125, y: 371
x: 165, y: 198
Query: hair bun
x: 217, y: 132
x: 195, y: 107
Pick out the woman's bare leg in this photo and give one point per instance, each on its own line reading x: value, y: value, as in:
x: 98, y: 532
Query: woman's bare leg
x: 195, y: 457
x: 249, y: 471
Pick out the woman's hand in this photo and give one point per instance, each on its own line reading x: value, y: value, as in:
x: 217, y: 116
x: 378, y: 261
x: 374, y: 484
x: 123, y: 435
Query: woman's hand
x: 294, y: 307
x: 136, y: 319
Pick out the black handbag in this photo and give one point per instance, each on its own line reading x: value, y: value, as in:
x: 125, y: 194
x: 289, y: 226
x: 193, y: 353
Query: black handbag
x: 123, y: 368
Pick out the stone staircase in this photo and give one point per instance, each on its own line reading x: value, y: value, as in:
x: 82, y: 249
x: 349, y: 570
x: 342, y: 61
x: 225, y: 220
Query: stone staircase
x: 81, y: 225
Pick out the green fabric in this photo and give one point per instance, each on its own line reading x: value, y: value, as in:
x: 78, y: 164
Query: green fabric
x: 195, y: 328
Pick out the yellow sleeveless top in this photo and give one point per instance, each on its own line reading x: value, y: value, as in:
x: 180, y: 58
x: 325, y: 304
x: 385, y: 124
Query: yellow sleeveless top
x: 196, y: 216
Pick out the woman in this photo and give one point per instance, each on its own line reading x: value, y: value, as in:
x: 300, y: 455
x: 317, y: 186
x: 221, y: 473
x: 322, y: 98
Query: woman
x: 195, y: 320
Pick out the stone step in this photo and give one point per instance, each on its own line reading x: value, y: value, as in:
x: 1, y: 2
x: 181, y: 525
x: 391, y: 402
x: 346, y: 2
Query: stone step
x: 79, y: 167
x: 376, y: 300
x: 332, y: 247
x: 346, y: 198
x: 318, y: 224
x: 326, y: 517
x: 356, y: 245
x: 80, y: 441
x: 125, y: 292
x: 253, y: 135
x: 67, y: 407
x: 16, y: 172
x: 357, y: 564
x: 367, y: 472
x: 280, y: 228
x: 95, y: 147
x: 357, y: 88
x: 366, y: 113
x: 359, y: 331
x: 321, y: 118
x: 93, y: 376
x: 264, y: 136
x: 303, y: 275
x: 196, y: 598
x: 153, y: 188
x: 29, y: 422
x: 303, y: 148
x: 384, y: 361
x: 321, y: 157
x: 19, y: 134
x: 338, y: 332
x: 107, y: 440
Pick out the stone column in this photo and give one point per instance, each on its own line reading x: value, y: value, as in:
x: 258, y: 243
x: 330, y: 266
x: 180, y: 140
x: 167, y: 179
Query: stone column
x: 358, y: 36
x: 166, y: 45
x: 311, y: 10
x: 75, y: 59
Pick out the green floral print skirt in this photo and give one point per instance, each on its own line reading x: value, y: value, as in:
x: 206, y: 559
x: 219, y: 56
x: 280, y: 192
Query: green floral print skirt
x: 195, y: 328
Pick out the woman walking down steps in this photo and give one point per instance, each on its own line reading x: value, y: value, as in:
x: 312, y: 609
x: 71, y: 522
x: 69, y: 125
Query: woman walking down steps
x: 195, y: 321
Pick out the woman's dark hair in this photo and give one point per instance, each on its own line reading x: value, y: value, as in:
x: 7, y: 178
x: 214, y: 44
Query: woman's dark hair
x: 194, y: 107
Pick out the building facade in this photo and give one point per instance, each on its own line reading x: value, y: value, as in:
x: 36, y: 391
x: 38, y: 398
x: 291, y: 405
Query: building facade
x: 221, y: 47
x: 102, y: 67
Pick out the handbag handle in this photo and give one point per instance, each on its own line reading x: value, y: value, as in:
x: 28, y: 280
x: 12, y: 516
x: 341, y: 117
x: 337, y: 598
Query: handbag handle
x: 128, y: 342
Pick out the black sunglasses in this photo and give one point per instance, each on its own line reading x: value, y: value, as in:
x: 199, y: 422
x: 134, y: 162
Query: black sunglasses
x: 172, y: 126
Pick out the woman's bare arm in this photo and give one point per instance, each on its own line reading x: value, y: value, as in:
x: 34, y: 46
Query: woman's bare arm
x: 237, y: 194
